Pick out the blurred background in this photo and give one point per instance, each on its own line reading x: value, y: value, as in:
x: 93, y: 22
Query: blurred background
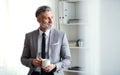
x: 92, y: 28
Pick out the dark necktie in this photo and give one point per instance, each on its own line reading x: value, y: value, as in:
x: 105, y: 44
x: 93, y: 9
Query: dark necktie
x: 43, y: 45
x: 43, y: 51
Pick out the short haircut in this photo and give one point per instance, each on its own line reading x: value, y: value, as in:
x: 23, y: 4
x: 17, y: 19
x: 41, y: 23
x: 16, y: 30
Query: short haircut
x: 42, y: 9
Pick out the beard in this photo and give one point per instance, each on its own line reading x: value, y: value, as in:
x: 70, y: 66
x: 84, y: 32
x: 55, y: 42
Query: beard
x: 46, y: 26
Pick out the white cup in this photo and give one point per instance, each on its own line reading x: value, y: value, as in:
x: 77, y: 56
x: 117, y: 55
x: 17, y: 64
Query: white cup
x: 45, y: 62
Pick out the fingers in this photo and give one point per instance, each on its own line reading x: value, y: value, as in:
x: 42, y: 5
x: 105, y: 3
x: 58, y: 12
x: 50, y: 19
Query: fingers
x: 49, y: 68
x: 39, y: 59
x: 37, y: 62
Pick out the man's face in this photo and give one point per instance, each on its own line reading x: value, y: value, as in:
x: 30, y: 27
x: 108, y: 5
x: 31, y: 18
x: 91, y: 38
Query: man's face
x: 45, y: 20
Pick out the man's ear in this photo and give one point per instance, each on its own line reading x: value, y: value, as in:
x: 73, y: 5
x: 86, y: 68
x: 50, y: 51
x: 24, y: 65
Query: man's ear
x: 38, y: 20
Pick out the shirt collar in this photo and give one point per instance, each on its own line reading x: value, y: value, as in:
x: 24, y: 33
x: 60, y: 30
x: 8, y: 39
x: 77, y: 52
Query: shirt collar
x: 46, y: 33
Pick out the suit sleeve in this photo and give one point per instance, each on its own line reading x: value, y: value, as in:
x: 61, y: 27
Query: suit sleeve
x: 25, y: 58
x: 64, y: 54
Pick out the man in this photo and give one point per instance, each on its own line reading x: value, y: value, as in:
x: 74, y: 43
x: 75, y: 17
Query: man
x: 55, y: 48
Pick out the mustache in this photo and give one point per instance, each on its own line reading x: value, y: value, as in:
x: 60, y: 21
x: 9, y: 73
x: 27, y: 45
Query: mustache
x: 46, y: 26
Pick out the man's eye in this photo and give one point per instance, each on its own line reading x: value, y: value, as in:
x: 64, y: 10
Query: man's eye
x: 45, y: 18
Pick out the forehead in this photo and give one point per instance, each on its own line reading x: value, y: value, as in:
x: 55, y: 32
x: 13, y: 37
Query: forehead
x: 47, y: 13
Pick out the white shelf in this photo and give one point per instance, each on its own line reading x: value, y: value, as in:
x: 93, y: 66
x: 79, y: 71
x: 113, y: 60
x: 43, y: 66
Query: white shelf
x: 70, y: 0
x: 73, y: 24
x: 77, y: 48
x: 66, y: 70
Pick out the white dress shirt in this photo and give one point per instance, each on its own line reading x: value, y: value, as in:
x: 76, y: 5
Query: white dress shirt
x: 39, y: 54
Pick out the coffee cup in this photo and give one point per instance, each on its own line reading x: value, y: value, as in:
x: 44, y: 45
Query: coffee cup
x: 45, y: 62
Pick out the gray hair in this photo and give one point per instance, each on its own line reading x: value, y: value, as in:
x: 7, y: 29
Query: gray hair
x: 42, y: 9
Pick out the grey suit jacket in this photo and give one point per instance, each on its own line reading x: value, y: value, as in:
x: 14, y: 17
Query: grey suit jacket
x: 59, y: 52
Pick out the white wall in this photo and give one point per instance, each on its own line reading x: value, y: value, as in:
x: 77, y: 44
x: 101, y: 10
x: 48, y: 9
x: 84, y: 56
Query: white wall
x: 103, y: 55
x: 110, y: 37
x: 17, y: 17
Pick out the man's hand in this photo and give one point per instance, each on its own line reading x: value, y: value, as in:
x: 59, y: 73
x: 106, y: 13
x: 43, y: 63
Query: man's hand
x: 49, y: 68
x: 37, y: 62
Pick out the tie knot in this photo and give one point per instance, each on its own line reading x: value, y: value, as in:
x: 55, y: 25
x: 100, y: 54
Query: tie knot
x: 43, y: 34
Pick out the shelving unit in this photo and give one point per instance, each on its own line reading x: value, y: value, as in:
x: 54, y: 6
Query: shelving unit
x: 72, y: 21
x: 72, y: 18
